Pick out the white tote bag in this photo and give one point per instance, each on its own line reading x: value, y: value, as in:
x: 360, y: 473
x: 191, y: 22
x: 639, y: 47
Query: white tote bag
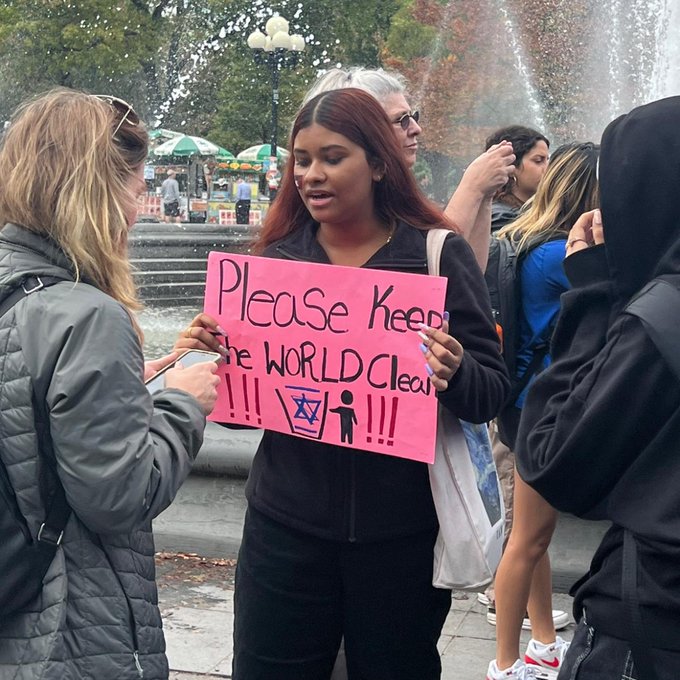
x: 465, y: 488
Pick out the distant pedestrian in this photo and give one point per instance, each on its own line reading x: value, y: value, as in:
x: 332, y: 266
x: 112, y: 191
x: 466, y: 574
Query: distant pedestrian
x: 170, y: 196
x: 273, y: 179
x: 243, y: 197
x: 76, y: 414
x: 600, y: 429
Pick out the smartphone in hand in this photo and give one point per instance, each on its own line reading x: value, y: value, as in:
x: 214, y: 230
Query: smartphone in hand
x: 189, y: 358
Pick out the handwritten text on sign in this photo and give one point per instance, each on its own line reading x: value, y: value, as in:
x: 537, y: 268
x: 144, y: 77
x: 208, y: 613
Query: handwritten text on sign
x: 326, y: 352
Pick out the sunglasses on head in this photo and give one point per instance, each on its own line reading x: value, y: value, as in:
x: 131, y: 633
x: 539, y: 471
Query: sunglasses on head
x: 127, y: 113
x: 404, y: 121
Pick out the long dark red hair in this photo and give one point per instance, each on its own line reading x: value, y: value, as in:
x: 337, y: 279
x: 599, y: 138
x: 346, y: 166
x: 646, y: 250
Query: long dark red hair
x: 358, y: 116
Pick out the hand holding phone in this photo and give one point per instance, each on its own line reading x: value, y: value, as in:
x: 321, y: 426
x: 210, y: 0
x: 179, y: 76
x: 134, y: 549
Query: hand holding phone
x: 193, y: 372
x: 152, y: 366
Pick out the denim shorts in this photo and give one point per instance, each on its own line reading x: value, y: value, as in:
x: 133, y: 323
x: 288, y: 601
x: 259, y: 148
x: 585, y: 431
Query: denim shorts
x: 596, y: 656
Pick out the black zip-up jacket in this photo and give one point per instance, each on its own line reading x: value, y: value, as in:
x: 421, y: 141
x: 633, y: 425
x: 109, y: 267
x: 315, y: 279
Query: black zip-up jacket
x: 339, y: 493
x: 600, y: 430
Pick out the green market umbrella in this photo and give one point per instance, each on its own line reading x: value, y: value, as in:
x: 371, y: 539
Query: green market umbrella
x: 262, y: 152
x: 163, y: 133
x: 187, y: 145
x: 224, y: 154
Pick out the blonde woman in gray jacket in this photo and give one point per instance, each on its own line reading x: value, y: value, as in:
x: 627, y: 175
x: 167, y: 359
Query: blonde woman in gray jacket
x: 71, y: 359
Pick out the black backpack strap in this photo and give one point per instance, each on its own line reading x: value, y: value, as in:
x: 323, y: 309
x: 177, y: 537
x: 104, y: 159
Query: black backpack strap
x: 541, y: 350
x: 534, y: 367
x: 58, y: 511
x: 655, y: 305
x: 30, y: 284
x: 638, y: 639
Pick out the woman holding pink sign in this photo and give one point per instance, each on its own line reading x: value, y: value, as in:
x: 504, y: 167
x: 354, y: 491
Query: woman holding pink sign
x: 338, y: 541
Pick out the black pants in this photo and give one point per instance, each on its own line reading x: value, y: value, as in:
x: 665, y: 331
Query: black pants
x: 595, y: 656
x: 297, y: 595
x: 242, y: 212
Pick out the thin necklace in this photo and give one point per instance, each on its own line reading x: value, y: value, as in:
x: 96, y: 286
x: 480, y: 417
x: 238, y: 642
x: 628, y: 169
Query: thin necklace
x: 390, y: 234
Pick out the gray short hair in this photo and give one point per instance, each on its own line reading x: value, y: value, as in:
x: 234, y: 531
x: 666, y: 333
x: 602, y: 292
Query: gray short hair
x: 377, y: 82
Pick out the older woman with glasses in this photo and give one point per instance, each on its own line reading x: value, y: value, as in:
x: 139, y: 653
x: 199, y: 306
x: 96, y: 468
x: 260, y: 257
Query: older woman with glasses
x: 469, y: 208
x: 87, y: 456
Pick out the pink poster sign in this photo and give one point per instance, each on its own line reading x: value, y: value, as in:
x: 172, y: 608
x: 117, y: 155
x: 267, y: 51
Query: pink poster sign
x: 326, y: 352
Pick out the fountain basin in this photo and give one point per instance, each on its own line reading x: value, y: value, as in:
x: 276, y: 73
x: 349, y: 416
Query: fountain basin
x: 170, y: 260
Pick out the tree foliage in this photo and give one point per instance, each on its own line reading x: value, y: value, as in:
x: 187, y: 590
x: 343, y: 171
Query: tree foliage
x: 182, y: 63
x: 474, y: 65
x: 83, y: 44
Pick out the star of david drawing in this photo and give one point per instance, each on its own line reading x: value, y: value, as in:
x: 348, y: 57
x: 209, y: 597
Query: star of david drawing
x: 307, y: 409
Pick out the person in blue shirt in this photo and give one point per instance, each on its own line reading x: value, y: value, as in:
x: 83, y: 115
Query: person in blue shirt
x: 243, y: 196
x: 524, y: 580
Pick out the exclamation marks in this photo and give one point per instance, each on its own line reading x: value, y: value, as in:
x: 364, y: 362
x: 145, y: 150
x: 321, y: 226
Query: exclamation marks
x: 393, y: 421
x: 369, y: 420
x: 386, y: 415
x: 246, y: 401
x: 249, y: 394
x: 247, y: 398
x: 231, y: 396
x: 257, y: 401
x: 381, y: 439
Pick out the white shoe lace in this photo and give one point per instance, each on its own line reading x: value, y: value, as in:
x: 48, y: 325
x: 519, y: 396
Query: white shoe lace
x: 560, y: 648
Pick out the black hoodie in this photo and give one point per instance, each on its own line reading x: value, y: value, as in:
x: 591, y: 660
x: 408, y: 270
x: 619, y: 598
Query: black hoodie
x: 600, y: 431
x: 345, y: 494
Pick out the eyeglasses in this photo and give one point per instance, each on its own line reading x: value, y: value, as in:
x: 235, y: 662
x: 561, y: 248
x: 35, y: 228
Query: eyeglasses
x: 404, y: 121
x: 127, y: 113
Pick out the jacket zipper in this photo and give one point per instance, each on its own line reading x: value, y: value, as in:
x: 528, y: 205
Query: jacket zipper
x: 131, y: 616
x: 140, y: 670
x: 133, y: 630
x: 352, y: 498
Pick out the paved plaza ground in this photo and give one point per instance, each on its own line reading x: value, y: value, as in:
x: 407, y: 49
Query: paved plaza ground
x: 198, y: 539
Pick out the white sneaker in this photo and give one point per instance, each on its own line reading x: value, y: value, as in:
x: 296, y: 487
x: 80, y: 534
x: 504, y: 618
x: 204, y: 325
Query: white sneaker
x: 483, y: 599
x: 560, y: 619
x: 546, y: 660
x: 518, y: 671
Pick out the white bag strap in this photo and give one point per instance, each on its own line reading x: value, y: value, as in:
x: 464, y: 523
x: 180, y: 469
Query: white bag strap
x: 435, y: 243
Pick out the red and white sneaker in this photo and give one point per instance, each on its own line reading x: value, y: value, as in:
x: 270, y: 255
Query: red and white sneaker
x: 546, y: 660
x: 518, y: 671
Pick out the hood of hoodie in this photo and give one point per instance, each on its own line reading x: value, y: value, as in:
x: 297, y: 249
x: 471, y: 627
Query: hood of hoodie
x: 639, y: 176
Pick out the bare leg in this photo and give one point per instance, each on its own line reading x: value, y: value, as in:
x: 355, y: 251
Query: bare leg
x: 504, y: 459
x: 533, y: 525
x: 540, y: 602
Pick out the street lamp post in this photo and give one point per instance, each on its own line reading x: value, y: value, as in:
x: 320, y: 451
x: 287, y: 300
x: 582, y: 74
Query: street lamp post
x: 276, y: 49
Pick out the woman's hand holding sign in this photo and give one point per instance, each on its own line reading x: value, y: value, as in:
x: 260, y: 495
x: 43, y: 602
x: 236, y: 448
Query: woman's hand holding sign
x: 202, y: 333
x: 443, y: 353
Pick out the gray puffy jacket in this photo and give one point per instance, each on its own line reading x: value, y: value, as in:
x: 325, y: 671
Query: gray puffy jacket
x: 121, y: 457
